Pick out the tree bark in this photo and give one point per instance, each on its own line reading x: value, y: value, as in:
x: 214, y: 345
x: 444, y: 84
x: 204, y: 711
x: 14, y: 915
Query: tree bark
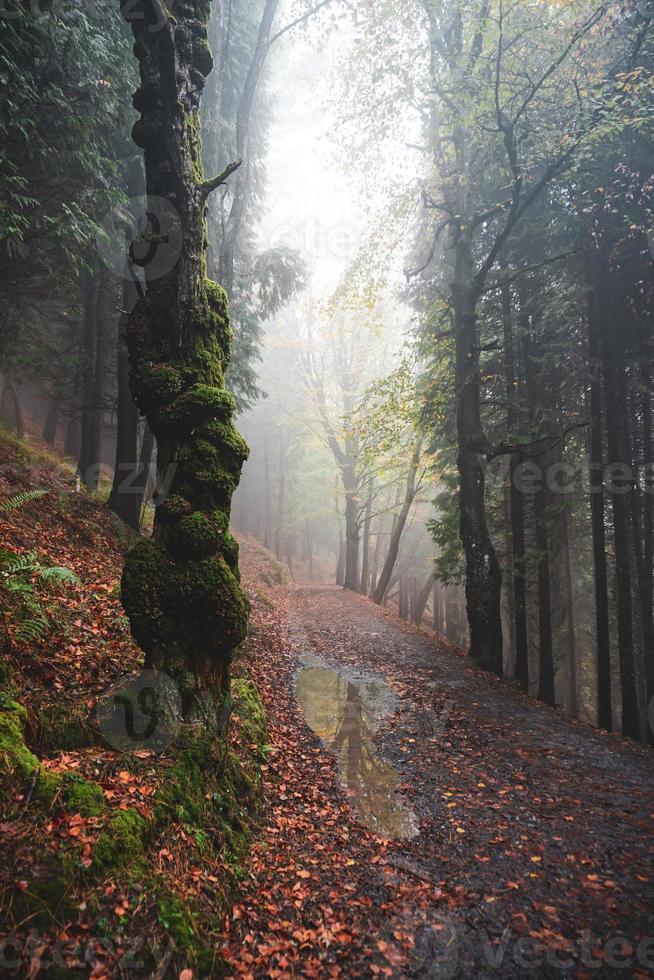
x: 422, y: 598
x: 629, y: 624
x: 516, y: 501
x: 365, y: 563
x: 181, y: 588
x: 596, y: 458
x: 399, y: 524
x: 483, y: 574
x: 49, y: 432
x: 546, y: 675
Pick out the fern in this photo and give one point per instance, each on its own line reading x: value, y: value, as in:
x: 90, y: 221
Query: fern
x: 20, y: 500
x: 22, y: 578
x: 59, y: 575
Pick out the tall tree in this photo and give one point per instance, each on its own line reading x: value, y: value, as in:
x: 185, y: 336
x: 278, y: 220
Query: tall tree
x: 181, y: 587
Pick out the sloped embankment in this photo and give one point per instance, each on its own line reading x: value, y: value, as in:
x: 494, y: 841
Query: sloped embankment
x: 110, y: 862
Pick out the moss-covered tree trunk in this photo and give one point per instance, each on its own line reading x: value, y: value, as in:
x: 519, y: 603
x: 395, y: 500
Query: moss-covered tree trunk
x: 181, y: 588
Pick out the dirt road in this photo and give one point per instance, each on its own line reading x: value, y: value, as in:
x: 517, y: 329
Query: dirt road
x: 425, y: 820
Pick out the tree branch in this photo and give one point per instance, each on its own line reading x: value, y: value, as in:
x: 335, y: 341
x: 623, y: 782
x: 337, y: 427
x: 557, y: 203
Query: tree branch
x: 210, y: 185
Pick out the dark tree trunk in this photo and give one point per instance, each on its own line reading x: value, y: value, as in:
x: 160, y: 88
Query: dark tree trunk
x: 180, y: 588
x: 126, y: 497
x: 49, y: 433
x: 11, y: 407
x: 628, y: 599
x: 483, y: 574
x: 573, y: 681
x: 602, y: 629
x: 647, y: 573
x: 88, y: 362
x: 546, y: 676
x: 421, y: 600
x: 516, y: 502
x: 94, y: 448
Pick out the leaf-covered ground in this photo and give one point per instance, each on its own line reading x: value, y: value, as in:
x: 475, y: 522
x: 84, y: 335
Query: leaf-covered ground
x: 534, y: 852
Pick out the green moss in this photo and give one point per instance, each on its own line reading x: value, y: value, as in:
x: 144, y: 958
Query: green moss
x: 225, y: 436
x: 156, y: 386
x: 250, y: 709
x: 177, y: 919
x: 122, y: 842
x: 81, y: 796
x: 197, y: 535
x: 198, y: 404
x: 18, y: 765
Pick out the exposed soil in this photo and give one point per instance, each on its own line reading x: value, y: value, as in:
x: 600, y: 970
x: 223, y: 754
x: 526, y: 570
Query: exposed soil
x: 534, y: 851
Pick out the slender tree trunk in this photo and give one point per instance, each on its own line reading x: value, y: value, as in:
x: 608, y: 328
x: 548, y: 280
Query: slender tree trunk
x: 399, y: 525
x: 352, y: 530
x: 483, y: 574
x: 281, y: 503
x: 516, y: 502
x: 11, y: 398
x: 49, y: 433
x: 573, y: 680
x: 99, y: 380
x: 647, y: 574
x: 422, y: 598
x: 375, y: 561
x: 546, y: 677
x: 267, y: 491
x: 602, y: 629
x: 88, y: 361
x: 628, y: 624
x: 126, y: 497
x: 365, y: 564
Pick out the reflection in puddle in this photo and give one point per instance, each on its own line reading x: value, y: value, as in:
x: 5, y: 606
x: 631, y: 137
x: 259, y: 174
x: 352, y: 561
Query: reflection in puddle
x: 345, y: 716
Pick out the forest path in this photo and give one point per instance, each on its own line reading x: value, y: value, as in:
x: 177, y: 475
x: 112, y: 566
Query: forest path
x: 534, y: 834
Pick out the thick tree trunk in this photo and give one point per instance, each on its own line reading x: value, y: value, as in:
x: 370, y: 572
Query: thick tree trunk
x: 181, y: 587
x: 483, y: 574
x: 602, y: 629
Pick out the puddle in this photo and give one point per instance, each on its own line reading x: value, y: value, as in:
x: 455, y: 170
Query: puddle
x: 345, y: 711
